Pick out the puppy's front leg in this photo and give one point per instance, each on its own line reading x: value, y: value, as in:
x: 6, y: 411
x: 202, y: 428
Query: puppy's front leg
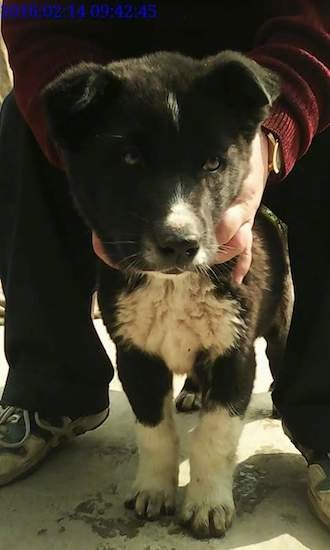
x: 148, y: 385
x: 209, y: 507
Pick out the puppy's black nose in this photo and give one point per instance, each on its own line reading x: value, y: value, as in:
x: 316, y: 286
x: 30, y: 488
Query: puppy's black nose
x: 178, y: 249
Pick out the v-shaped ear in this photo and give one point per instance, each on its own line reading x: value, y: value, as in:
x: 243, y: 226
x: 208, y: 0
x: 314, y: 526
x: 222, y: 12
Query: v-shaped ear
x: 74, y: 102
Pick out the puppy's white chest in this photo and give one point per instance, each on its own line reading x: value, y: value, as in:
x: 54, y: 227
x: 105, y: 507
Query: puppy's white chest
x: 175, y: 318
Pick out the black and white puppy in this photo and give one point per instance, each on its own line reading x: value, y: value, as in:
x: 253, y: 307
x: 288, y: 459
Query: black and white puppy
x: 155, y: 150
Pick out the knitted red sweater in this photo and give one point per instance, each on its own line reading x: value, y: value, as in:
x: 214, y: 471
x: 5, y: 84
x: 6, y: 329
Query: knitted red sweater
x: 290, y: 36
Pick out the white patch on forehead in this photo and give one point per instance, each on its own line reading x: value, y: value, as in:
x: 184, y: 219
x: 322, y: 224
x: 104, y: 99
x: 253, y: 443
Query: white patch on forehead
x: 173, y: 106
x: 176, y: 319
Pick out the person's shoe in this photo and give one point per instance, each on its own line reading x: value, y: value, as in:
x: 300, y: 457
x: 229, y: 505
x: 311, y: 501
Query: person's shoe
x: 26, y: 438
x: 318, y: 481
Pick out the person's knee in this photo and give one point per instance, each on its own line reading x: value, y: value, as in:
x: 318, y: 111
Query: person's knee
x: 9, y: 103
x: 9, y: 114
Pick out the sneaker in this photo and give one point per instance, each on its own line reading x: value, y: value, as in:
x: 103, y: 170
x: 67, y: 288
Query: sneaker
x: 318, y: 480
x: 26, y: 438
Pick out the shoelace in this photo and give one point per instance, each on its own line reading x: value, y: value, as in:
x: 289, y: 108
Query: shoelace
x: 10, y: 414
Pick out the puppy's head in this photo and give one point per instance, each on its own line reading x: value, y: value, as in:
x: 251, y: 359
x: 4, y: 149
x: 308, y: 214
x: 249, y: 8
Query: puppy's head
x: 156, y: 149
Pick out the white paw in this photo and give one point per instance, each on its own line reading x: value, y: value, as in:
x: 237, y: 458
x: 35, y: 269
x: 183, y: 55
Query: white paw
x: 209, y: 518
x: 151, y: 503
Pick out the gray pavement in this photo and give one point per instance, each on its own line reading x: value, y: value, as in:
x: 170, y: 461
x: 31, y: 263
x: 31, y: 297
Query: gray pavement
x: 75, y: 500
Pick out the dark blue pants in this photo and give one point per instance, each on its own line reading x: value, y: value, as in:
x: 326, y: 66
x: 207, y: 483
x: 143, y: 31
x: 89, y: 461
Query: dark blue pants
x: 302, y: 392
x: 47, y: 266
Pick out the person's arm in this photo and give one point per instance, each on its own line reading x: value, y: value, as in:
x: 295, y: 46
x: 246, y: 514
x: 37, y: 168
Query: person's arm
x: 295, y: 43
x: 38, y: 51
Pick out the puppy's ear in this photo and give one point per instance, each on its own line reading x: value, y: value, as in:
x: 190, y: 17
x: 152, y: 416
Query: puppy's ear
x: 242, y: 84
x: 75, y: 101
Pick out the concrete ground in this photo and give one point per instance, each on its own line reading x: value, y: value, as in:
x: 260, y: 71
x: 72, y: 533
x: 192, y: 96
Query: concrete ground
x: 75, y: 500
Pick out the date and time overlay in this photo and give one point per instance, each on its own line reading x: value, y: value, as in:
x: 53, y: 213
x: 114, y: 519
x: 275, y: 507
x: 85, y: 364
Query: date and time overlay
x: 77, y: 10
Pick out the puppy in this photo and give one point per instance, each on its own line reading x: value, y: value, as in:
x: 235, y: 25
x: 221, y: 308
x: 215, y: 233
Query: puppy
x: 156, y: 149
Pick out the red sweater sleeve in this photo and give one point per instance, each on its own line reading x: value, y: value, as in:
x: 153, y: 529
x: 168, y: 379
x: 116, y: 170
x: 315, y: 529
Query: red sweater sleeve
x: 293, y: 40
x: 297, y: 46
x: 36, y: 55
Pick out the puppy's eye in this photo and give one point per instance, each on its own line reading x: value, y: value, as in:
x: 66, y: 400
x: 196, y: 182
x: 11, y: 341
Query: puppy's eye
x: 131, y: 157
x: 212, y: 164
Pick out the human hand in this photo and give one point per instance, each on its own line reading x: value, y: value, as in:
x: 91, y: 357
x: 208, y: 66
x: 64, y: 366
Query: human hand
x: 234, y: 232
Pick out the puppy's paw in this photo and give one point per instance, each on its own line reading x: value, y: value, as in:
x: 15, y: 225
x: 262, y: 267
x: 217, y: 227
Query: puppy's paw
x: 207, y: 519
x: 188, y: 401
x: 152, y: 503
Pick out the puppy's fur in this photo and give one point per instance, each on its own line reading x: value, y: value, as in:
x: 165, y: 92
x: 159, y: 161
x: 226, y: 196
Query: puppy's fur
x: 156, y: 149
